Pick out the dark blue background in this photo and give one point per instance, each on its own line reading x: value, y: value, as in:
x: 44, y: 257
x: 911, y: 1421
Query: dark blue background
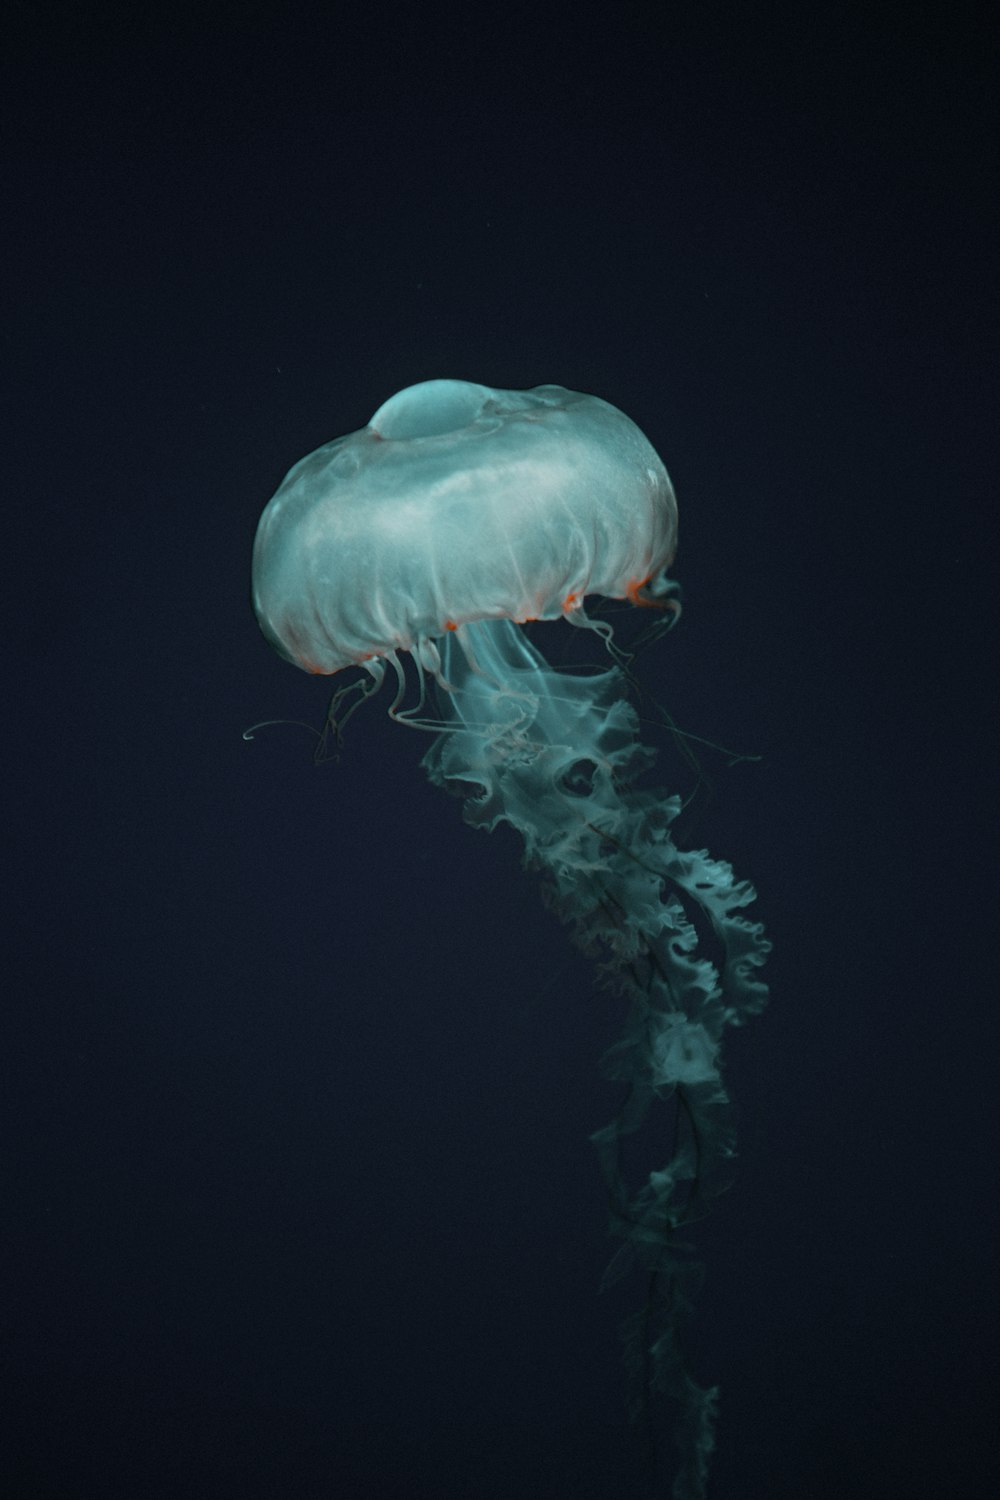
x: 299, y: 1199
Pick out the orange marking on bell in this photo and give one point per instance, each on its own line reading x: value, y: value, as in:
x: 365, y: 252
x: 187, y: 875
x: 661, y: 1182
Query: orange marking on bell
x: 643, y: 601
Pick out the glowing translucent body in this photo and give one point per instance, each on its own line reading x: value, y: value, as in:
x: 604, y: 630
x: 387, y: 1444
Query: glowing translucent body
x: 456, y: 513
x: 458, y: 503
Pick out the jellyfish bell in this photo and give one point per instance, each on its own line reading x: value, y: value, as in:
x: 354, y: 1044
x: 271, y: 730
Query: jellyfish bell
x: 457, y: 514
x: 459, y: 503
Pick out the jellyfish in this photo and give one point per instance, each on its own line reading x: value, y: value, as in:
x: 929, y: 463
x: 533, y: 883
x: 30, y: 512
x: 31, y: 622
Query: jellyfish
x: 433, y: 535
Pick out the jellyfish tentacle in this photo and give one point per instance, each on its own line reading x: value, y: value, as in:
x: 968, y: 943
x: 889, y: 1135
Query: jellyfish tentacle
x: 557, y: 756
